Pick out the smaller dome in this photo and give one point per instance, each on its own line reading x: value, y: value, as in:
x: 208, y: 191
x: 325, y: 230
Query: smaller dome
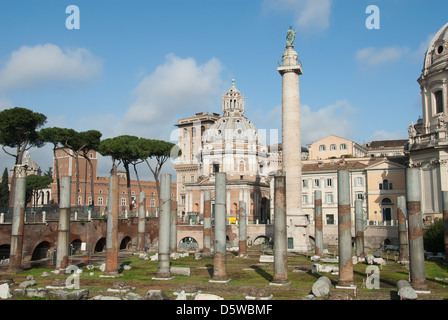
x: 437, y: 49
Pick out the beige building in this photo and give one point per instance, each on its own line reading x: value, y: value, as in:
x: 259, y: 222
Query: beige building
x: 385, y: 148
x: 376, y: 181
x: 335, y: 147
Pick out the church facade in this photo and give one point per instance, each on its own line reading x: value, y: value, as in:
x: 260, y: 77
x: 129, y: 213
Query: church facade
x: 428, y: 138
x: 229, y: 143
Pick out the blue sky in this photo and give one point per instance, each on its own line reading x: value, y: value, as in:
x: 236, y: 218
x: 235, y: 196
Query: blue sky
x: 135, y: 67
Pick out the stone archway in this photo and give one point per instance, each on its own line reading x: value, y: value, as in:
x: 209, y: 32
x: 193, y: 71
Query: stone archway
x: 4, y: 251
x: 188, y: 243
x: 125, y: 243
x: 41, y: 251
x: 100, y: 245
x: 75, y: 246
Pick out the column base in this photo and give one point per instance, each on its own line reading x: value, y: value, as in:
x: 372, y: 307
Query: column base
x: 219, y: 280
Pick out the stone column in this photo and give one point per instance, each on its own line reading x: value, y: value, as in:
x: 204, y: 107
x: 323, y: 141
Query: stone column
x: 220, y: 268
x: 415, y: 231
x: 207, y: 222
x: 359, y: 229
x: 173, y: 227
x: 112, y: 227
x: 318, y: 224
x: 445, y: 222
x: 291, y: 141
x: 64, y: 223
x: 242, y: 229
x: 141, y: 222
x: 344, y: 230
x: 18, y: 220
x: 280, y: 231
x: 402, y: 229
x: 163, y: 269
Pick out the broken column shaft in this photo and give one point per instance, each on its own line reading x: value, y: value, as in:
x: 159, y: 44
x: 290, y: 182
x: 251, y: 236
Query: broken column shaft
x: 220, y: 269
x: 112, y: 227
x: 141, y: 222
x: 207, y: 222
x: 242, y: 229
x: 18, y: 220
x: 318, y: 224
x: 359, y: 229
x: 280, y: 235
x: 344, y: 230
x: 402, y: 229
x: 64, y: 223
x: 173, y: 226
x: 163, y: 270
x: 415, y: 230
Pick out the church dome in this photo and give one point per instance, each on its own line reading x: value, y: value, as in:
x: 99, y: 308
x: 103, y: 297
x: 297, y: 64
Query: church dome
x: 229, y: 128
x: 437, y: 54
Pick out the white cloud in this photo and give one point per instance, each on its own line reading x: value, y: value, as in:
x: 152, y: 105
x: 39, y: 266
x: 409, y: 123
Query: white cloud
x: 377, y: 56
x: 314, y: 125
x: 31, y: 67
x: 308, y: 14
x: 385, y: 135
x: 333, y: 119
x: 178, y: 86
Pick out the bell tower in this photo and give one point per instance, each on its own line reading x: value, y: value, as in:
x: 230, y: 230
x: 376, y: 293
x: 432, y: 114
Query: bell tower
x: 233, y: 102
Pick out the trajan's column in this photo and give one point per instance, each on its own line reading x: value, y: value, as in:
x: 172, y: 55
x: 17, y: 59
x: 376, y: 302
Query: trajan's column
x: 297, y: 220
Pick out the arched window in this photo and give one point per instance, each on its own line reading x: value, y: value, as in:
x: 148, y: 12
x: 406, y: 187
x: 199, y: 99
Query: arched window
x: 185, y: 133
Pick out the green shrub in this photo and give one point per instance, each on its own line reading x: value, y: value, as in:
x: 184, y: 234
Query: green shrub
x: 433, y: 238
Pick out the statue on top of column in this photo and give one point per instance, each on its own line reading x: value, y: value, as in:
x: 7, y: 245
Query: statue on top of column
x: 290, y: 36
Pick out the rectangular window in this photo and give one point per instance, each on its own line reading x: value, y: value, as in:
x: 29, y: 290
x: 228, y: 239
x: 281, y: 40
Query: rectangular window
x: 316, y: 183
x: 329, y: 182
x: 359, y: 181
x: 304, y: 199
x: 343, y: 146
x: 192, y: 178
x: 215, y: 167
x: 330, y: 218
x: 100, y: 201
x: 305, y: 183
x: 333, y: 147
x: 329, y: 198
x: 290, y: 243
x: 322, y: 148
x: 438, y: 97
x: 182, y: 200
x: 359, y: 196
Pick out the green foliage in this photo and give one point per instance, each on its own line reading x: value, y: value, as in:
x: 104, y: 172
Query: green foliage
x: 4, y: 190
x: 34, y: 183
x: 18, y: 125
x: 433, y: 238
